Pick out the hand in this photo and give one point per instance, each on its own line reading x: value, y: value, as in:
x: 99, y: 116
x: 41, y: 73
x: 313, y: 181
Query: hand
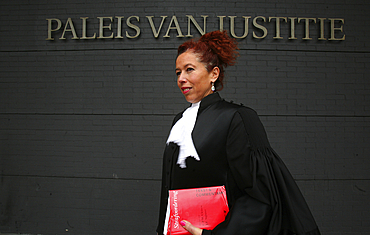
x: 191, y: 228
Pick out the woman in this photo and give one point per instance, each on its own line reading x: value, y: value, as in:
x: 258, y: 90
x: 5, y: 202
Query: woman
x: 214, y: 143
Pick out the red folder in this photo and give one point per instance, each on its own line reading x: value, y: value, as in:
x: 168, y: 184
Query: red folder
x: 203, y: 207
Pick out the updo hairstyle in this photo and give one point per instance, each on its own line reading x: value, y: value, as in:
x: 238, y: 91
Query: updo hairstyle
x: 214, y: 49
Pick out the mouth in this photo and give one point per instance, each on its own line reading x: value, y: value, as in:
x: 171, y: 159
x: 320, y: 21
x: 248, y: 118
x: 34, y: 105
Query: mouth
x: 185, y: 90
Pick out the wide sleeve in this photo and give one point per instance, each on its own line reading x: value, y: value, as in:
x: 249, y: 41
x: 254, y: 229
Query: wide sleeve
x: 271, y: 202
x: 170, y: 151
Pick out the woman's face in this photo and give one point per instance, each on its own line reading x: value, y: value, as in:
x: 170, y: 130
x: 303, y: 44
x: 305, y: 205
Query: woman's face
x: 193, y: 78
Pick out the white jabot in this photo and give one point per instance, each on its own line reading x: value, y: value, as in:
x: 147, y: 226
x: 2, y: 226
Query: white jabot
x: 181, y: 135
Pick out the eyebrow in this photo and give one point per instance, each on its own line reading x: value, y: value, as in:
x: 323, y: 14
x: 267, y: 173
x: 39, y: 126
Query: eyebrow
x: 186, y: 66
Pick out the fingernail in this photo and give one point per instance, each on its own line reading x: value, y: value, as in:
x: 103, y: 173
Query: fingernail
x: 182, y: 223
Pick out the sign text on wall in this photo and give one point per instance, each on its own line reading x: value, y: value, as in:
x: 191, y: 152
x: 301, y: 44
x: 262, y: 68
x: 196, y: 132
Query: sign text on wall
x: 259, y: 29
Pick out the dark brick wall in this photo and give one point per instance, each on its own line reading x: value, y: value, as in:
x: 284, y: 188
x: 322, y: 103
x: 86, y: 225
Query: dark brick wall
x: 83, y: 122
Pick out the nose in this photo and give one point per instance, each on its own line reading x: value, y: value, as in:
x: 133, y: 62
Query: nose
x: 181, y: 78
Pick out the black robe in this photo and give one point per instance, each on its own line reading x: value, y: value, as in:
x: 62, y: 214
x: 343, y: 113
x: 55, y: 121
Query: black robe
x: 234, y: 151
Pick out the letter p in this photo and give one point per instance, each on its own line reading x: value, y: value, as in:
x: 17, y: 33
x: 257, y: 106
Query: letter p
x: 50, y: 23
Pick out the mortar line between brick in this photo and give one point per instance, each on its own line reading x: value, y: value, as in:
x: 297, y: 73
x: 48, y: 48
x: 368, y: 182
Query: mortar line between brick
x: 80, y: 177
x: 175, y: 49
x: 144, y: 114
x: 143, y: 179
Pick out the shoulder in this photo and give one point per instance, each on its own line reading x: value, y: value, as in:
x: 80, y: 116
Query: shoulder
x: 241, y: 109
x: 249, y: 118
x: 240, y: 112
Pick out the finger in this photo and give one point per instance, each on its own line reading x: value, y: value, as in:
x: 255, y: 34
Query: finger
x: 191, y: 228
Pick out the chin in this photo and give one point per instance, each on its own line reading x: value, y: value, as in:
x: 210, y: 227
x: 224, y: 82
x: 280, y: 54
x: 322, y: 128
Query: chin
x: 190, y: 100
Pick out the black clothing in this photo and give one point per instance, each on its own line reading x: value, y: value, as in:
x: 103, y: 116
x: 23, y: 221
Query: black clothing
x: 234, y: 151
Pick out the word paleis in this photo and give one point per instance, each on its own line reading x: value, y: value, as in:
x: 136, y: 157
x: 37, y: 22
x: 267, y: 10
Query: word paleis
x: 119, y: 27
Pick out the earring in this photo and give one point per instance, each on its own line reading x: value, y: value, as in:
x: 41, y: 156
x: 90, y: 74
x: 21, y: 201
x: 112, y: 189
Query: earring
x: 213, y: 86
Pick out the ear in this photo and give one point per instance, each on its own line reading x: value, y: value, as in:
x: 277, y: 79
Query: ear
x: 215, y: 73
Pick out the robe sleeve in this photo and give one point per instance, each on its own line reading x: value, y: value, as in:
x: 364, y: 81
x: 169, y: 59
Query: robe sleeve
x: 170, y: 150
x: 271, y: 202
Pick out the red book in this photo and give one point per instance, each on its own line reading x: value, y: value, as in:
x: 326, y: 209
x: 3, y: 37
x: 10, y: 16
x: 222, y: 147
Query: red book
x: 205, y: 208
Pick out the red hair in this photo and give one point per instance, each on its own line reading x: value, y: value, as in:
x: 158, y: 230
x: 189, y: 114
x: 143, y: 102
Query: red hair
x: 214, y: 49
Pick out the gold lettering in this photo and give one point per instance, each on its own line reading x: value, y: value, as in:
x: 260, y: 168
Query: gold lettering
x: 84, y: 29
x: 102, y: 27
x: 258, y: 26
x: 72, y: 29
x: 277, y: 20
x: 322, y: 26
x: 260, y: 31
x: 232, y: 26
x: 307, y: 27
x: 221, y: 22
x: 155, y: 32
x: 332, y: 29
x: 129, y: 24
x: 292, y: 27
x: 177, y: 27
x: 119, y: 26
x: 191, y: 18
x: 52, y: 30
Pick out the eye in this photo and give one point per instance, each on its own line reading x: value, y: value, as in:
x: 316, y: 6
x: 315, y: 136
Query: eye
x: 178, y: 73
x: 189, y: 69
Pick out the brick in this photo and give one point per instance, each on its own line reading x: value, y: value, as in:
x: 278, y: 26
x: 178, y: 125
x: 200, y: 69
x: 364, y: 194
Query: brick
x: 74, y: 114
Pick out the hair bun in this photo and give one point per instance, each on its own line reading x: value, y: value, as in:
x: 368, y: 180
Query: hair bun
x: 222, y: 45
